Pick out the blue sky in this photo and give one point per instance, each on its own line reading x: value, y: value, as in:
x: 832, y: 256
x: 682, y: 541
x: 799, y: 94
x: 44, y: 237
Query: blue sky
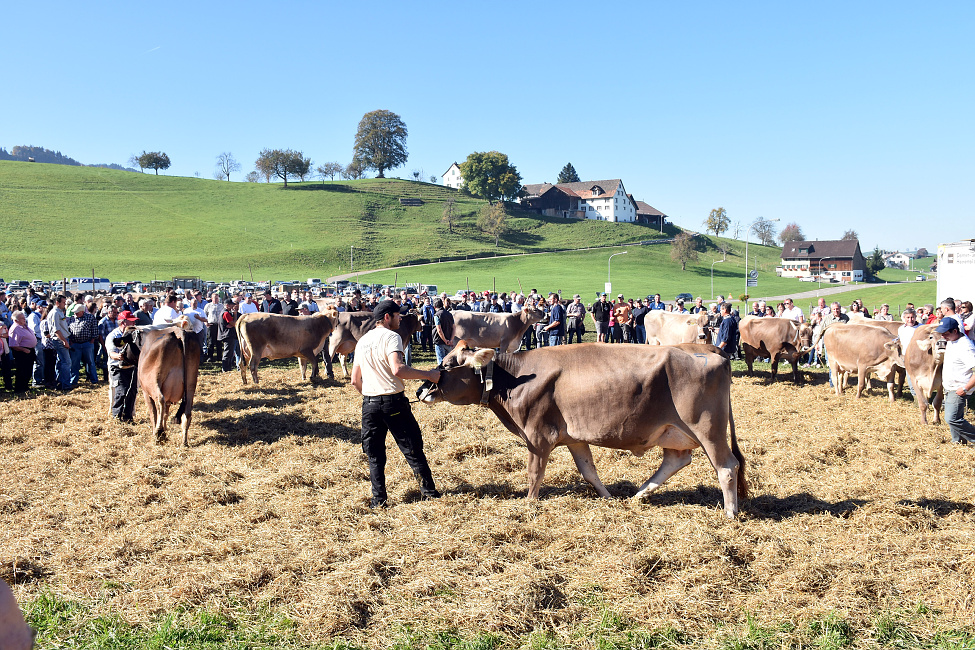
x: 830, y: 114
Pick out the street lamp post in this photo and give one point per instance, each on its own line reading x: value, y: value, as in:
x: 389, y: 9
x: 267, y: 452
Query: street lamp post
x: 609, y: 271
x: 747, y: 233
x: 712, y: 277
x: 821, y: 269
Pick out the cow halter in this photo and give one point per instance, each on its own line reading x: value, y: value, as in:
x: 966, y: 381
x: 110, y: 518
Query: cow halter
x: 487, y: 378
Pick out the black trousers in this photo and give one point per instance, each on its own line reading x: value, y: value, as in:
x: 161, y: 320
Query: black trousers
x: 125, y: 382
x: 228, y: 360
x: 392, y: 413
x: 6, y: 363
x: 23, y: 370
x: 426, y: 338
x: 214, y: 346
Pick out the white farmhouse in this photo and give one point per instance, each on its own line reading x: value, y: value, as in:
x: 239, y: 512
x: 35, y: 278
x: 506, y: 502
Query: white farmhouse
x: 452, y: 177
x: 599, y: 200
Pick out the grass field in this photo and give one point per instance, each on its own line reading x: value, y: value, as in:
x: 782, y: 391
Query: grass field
x: 643, y: 270
x: 131, y: 226
x: 858, y: 532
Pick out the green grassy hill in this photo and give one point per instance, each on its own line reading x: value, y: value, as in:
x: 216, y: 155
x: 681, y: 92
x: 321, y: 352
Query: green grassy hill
x: 140, y: 226
x: 66, y: 221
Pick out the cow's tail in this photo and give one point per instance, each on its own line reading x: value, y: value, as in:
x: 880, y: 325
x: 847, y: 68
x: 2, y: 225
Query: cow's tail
x: 186, y: 379
x: 742, y: 481
x: 244, y: 345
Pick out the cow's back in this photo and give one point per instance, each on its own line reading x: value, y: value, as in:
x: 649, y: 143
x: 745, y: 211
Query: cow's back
x: 853, y: 345
x: 169, y: 365
x: 667, y: 328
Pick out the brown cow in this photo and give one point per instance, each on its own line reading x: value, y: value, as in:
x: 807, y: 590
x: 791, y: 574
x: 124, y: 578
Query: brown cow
x: 863, y: 349
x: 775, y: 339
x: 924, y: 359
x: 661, y: 396
x: 668, y: 328
x: 273, y: 336
x: 168, y: 361
x: 349, y: 327
x: 893, y: 327
x: 488, y: 330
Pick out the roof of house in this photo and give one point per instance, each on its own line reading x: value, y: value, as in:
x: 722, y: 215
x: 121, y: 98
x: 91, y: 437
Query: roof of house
x: 449, y: 168
x: 646, y: 208
x: 583, y: 189
x: 843, y: 248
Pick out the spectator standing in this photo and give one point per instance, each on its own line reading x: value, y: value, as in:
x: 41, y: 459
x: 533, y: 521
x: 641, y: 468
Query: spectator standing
x: 792, y: 312
x: 439, y: 345
x: 227, y: 335
x: 83, y: 330
x: 698, y: 306
x: 271, y: 305
x: 602, y: 311
x: 289, y: 306
x: 198, y: 320
x: 575, y: 319
x: 639, y: 314
x: 6, y: 360
x: 144, y: 314
x: 958, y: 379
x: 105, y: 326
x: 621, y: 316
x: 556, y: 321
x: 884, y: 313
x: 167, y: 313
x: 378, y: 373
x: 213, y: 311
x: 128, y: 304
x: 250, y: 306
x: 34, y: 319
x: 427, y: 312
x: 656, y: 304
x: 727, y: 337
x: 905, y: 333
x: 122, y: 380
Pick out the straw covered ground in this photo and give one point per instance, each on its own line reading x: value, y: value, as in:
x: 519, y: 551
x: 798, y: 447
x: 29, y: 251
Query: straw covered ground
x: 856, y: 509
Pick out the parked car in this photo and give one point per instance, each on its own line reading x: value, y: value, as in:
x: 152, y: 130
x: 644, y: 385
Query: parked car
x: 684, y: 296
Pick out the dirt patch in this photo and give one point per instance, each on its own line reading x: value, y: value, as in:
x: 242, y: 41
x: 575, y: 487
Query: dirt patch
x: 856, y: 506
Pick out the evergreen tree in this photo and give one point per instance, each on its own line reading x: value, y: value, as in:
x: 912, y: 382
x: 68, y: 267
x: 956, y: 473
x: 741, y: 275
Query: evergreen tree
x: 568, y: 174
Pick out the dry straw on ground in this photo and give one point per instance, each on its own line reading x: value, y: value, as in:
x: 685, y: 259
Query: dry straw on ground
x: 855, y: 507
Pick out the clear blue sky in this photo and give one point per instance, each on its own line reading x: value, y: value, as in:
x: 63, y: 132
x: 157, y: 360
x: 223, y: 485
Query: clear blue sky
x: 830, y: 114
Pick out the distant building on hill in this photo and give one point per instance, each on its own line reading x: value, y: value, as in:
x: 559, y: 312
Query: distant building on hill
x: 604, y: 200
x: 646, y: 213
x: 840, y: 260
x: 452, y: 177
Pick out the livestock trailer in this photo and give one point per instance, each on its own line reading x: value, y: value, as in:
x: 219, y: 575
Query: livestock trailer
x: 956, y: 270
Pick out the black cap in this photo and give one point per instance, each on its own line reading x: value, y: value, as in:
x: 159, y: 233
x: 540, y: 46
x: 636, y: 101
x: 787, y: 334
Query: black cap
x: 385, y: 307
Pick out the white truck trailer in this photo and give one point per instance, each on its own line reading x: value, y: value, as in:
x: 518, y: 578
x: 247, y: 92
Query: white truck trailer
x: 956, y: 270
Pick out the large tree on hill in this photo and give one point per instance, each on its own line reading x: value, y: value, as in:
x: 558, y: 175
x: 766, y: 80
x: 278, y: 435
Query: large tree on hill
x: 849, y: 235
x: 283, y: 163
x: 791, y: 232
x: 683, y: 249
x: 568, y: 174
x: 490, y: 176
x: 226, y: 163
x: 764, y: 229
x: 380, y: 142
x: 717, y: 222
x: 153, y: 160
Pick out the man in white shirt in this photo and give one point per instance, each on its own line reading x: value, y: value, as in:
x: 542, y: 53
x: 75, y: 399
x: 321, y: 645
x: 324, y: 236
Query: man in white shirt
x: 957, y: 379
x: 248, y: 306
x: 378, y: 373
x: 792, y: 312
x: 167, y: 313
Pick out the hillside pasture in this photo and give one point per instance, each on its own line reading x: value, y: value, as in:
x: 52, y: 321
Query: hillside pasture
x: 857, y: 513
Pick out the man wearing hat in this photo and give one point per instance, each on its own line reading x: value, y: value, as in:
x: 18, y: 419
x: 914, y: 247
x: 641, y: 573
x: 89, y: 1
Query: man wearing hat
x: 957, y: 379
x: 83, y: 328
x: 122, y: 383
x: 378, y: 373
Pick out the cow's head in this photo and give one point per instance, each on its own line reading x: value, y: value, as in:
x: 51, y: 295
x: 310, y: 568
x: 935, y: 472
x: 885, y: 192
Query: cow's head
x: 461, y: 377
x: 931, y: 344
x: 893, y: 348
x: 131, y: 345
x: 805, y: 337
x: 533, y: 315
x: 704, y: 327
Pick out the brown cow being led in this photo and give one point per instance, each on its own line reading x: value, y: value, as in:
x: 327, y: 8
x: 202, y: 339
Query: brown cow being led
x: 676, y: 399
